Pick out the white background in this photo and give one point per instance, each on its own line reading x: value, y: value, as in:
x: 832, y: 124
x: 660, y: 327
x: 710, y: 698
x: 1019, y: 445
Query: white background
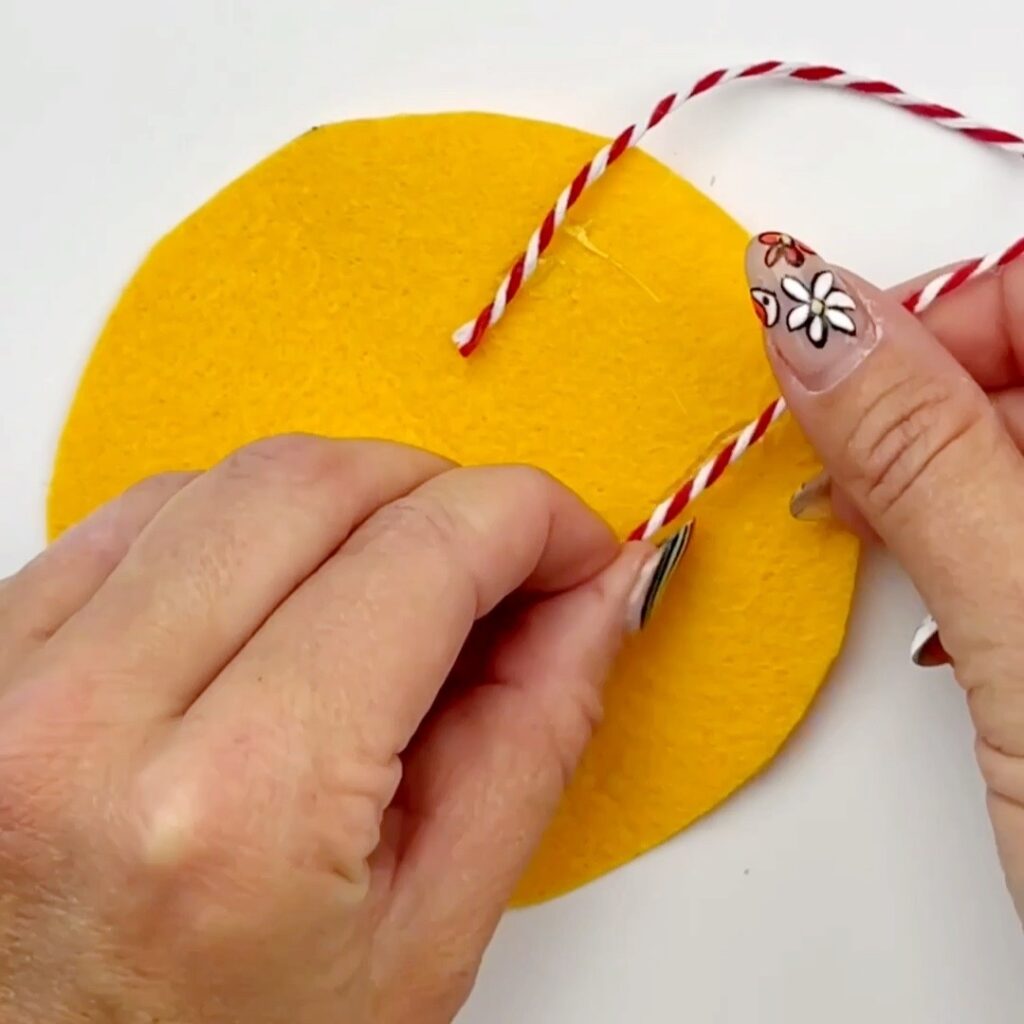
x: 855, y: 880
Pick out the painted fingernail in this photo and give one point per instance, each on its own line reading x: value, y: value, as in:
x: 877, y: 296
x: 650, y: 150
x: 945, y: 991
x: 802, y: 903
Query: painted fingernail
x: 813, y: 501
x: 926, y: 648
x: 814, y: 319
x: 654, y: 578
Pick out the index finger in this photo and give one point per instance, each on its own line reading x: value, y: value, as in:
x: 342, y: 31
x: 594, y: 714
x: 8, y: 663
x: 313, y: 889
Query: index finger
x: 981, y: 324
x: 357, y: 655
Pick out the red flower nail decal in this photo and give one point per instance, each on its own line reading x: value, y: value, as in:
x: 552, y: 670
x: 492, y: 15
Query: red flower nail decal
x: 783, y: 247
x: 766, y: 306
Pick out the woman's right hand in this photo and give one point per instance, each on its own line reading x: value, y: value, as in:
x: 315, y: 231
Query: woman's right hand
x: 920, y: 425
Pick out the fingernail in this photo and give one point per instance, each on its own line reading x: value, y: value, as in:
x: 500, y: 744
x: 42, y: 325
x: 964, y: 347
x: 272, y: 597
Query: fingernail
x: 813, y: 318
x: 813, y: 501
x: 926, y: 649
x: 654, y: 577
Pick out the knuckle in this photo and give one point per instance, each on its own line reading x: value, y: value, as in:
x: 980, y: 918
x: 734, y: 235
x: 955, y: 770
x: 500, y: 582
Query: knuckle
x: 904, y: 432
x: 101, y: 541
x: 193, y: 852
x: 173, y: 832
x: 188, y: 822
x: 207, y: 845
x: 298, y: 459
x: 199, y: 851
x: 534, y: 484
x: 342, y: 805
x: 160, y: 484
x: 423, y: 520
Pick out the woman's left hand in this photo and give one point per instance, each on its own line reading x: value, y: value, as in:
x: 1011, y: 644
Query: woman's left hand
x: 275, y: 741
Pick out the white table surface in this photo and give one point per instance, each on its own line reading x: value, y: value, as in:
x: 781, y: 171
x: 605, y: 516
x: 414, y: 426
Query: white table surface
x: 856, y: 879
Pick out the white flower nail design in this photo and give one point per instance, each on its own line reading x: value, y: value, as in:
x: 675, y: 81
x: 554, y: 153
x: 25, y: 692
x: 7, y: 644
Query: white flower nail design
x: 819, y: 307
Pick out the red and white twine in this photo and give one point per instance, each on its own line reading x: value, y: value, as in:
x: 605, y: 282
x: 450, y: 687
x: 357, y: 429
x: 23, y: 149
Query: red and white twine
x: 712, y: 470
x: 470, y: 334
x: 468, y: 337
x: 949, y: 282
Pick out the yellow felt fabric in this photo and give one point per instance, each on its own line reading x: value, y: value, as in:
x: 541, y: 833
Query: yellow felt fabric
x: 318, y: 292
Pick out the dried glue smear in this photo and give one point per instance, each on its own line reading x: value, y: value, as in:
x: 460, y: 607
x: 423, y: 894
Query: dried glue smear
x: 579, y: 234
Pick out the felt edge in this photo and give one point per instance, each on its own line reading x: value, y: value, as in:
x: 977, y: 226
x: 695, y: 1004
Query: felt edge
x: 541, y: 895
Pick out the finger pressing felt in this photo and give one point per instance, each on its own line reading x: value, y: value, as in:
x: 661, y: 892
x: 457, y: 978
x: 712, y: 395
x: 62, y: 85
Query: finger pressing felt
x: 37, y: 601
x: 355, y: 657
x: 222, y: 555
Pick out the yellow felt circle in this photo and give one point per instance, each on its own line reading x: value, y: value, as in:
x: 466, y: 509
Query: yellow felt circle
x: 318, y: 292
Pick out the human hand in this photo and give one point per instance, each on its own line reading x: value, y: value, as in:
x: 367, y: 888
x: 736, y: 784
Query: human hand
x: 231, y: 785
x: 920, y: 424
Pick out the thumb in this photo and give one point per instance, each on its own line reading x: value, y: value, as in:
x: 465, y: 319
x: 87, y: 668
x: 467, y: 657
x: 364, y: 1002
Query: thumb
x: 483, y: 780
x: 915, y: 443
x: 912, y: 440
